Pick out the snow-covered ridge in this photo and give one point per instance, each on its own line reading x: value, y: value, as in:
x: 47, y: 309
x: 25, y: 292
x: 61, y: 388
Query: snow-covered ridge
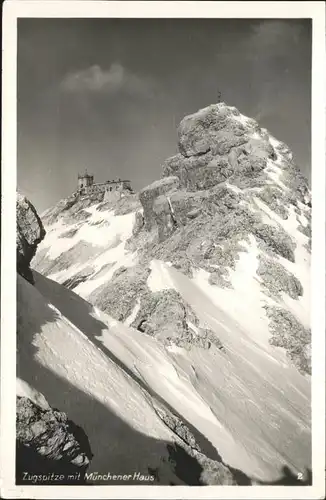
x: 90, y: 231
x: 104, y: 233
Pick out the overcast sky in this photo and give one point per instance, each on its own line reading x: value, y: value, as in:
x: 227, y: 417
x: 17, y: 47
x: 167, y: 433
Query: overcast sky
x: 107, y: 95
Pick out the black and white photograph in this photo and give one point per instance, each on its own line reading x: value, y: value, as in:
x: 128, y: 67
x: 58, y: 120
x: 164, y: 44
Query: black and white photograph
x: 164, y: 193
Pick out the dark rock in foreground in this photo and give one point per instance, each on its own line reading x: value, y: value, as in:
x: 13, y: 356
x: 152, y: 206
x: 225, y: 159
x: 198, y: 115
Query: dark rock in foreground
x: 30, y: 232
x: 47, y: 443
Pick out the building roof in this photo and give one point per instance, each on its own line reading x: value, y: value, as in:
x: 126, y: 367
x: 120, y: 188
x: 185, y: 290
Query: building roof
x: 108, y: 182
x: 86, y: 174
x: 114, y: 182
x: 117, y: 181
x: 83, y: 176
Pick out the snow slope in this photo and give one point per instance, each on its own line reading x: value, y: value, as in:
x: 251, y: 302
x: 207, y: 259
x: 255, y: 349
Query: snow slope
x: 58, y: 359
x: 104, y: 235
x: 104, y: 374
x: 250, y: 381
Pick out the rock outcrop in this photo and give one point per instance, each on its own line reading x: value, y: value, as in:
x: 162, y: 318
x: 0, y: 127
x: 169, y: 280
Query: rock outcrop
x: 154, y: 202
x: 216, y: 144
x: 171, y: 320
x: 30, y: 232
x: 289, y: 333
x: 190, y: 460
x: 49, y: 443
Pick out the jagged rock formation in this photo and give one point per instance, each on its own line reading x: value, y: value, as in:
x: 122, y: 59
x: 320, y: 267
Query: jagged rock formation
x: 30, y: 232
x: 49, y: 443
x: 212, y: 264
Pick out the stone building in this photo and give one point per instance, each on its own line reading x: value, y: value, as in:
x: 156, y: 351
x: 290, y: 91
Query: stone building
x: 112, y: 189
x: 85, y: 181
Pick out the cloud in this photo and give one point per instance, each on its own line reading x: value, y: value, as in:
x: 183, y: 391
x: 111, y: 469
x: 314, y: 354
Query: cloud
x: 274, y: 38
x: 273, y: 51
x: 274, y: 46
x: 112, y: 81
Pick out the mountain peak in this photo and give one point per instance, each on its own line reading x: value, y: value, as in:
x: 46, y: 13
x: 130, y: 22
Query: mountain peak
x: 218, y: 143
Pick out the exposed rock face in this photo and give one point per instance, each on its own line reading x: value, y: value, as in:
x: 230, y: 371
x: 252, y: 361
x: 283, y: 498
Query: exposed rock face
x: 155, y: 193
x: 171, y: 320
x: 275, y: 199
x: 129, y: 284
x: 277, y: 279
x: 205, y: 470
x: 201, y: 131
x: 289, y: 333
x: 30, y: 232
x: 163, y: 315
x: 47, y: 442
x: 214, y: 145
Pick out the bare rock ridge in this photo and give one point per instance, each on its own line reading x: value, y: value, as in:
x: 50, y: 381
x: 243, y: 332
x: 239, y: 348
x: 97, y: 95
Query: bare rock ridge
x: 30, y: 232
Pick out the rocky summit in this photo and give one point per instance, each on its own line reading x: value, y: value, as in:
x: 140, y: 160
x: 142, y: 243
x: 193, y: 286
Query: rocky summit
x: 195, y: 295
